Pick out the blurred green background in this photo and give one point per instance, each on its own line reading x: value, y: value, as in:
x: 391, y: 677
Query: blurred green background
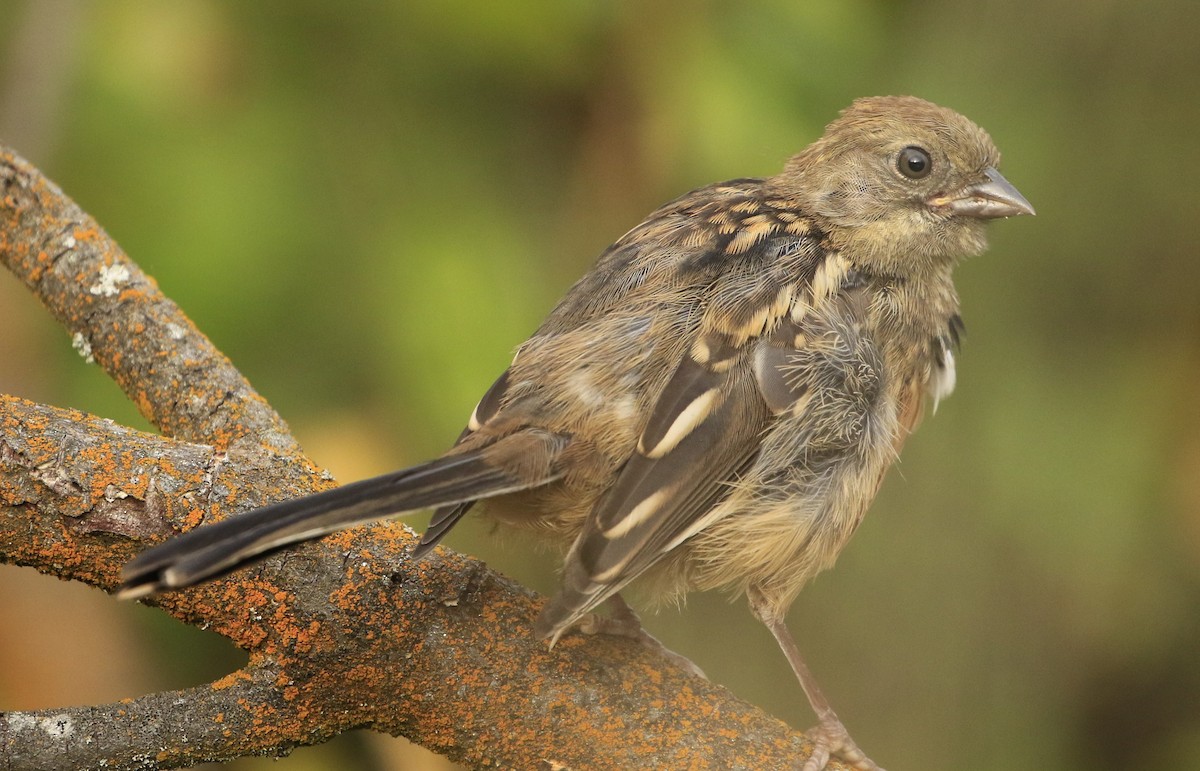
x: 367, y: 206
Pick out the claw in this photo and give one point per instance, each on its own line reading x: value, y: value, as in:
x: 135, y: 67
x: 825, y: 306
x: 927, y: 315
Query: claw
x: 624, y: 623
x: 830, y: 739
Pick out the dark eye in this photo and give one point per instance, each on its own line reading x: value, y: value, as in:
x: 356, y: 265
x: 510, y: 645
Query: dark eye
x: 914, y: 163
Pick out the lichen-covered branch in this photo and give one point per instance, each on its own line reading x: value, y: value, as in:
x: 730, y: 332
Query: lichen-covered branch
x: 343, y: 633
x: 117, y: 315
x: 79, y: 495
x: 161, y: 730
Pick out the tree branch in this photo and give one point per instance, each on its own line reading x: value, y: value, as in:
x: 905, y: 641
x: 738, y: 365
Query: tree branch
x: 343, y: 633
x: 117, y: 315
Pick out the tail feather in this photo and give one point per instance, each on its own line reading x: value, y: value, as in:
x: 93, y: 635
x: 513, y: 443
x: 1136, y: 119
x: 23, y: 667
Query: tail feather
x: 218, y: 548
x: 444, y: 520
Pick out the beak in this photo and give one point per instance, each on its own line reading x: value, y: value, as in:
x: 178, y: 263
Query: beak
x: 987, y: 200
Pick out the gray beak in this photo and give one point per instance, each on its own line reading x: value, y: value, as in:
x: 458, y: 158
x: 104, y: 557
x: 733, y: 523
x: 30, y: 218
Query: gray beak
x: 988, y: 200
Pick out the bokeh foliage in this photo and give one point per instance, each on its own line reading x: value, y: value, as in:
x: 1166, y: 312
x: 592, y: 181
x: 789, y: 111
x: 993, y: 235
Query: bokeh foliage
x: 367, y: 206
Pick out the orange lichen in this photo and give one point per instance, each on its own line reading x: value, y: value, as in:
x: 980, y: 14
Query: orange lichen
x: 230, y: 680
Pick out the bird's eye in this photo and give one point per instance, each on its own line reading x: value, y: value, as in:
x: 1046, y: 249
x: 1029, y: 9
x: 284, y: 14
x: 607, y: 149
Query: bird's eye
x: 914, y: 163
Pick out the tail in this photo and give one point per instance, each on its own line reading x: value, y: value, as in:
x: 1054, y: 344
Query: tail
x: 215, y: 549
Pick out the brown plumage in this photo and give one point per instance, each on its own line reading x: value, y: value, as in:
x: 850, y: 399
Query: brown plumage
x: 714, y: 405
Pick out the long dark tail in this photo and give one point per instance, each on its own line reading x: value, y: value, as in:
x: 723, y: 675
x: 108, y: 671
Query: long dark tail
x: 221, y: 547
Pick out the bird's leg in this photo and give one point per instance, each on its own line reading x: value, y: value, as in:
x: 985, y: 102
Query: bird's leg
x: 829, y: 736
x: 623, y: 621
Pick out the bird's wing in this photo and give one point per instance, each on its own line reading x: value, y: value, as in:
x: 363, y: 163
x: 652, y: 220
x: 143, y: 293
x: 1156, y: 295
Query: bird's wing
x: 706, y: 425
x: 703, y: 431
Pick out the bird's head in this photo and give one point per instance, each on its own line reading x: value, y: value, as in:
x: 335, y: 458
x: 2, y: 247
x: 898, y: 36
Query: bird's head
x: 906, y: 184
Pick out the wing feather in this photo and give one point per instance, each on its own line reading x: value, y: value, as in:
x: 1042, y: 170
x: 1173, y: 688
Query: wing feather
x: 706, y: 425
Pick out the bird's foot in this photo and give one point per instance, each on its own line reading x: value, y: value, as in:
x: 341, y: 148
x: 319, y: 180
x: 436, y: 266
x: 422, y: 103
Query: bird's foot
x: 624, y: 623
x: 830, y: 739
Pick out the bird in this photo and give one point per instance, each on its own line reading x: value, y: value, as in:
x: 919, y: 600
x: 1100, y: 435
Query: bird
x: 714, y: 405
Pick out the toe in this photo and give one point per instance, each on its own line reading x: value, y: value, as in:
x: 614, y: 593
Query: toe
x: 830, y: 739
